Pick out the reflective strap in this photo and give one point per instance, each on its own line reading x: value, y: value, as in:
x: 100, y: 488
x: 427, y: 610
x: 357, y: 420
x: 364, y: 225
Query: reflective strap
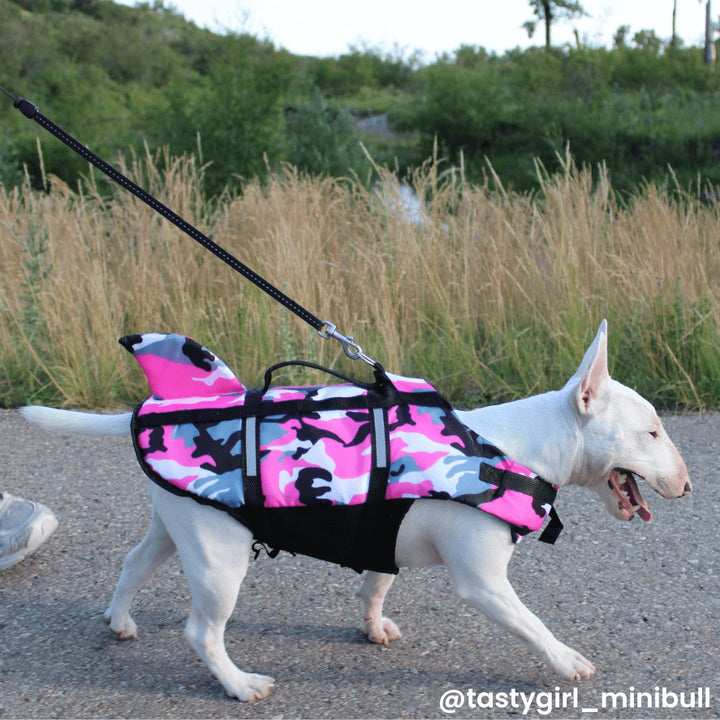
x: 252, y: 484
x: 380, y: 458
x: 250, y: 446
x: 381, y: 448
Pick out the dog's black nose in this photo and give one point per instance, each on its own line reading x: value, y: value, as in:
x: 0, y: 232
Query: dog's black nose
x: 688, y: 489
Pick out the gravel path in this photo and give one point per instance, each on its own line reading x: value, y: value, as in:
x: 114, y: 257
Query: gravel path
x: 641, y: 600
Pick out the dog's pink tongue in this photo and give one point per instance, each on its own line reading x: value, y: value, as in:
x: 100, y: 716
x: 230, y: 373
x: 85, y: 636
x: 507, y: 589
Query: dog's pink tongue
x: 629, y: 498
x: 638, y: 504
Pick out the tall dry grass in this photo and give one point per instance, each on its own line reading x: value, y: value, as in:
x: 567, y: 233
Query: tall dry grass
x: 492, y: 295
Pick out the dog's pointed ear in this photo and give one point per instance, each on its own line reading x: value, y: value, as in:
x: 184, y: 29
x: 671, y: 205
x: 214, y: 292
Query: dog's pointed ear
x: 591, y: 377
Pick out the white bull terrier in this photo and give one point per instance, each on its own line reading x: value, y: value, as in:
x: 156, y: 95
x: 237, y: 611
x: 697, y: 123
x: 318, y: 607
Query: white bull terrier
x: 594, y: 432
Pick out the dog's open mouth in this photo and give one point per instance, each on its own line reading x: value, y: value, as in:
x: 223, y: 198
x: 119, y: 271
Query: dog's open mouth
x: 622, y: 482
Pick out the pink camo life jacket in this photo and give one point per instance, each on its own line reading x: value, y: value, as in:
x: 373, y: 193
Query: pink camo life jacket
x: 336, y: 455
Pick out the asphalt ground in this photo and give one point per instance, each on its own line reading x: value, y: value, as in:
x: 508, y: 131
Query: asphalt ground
x: 640, y: 600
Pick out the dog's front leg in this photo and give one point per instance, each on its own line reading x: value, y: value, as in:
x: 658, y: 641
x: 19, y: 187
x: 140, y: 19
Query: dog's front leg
x: 480, y: 577
x: 372, y: 594
x: 476, y: 548
x: 499, y: 602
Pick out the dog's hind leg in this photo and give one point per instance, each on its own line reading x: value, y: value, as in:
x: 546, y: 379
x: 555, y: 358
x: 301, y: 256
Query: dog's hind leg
x: 140, y: 563
x: 372, y: 594
x: 213, y: 602
x: 214, y: 591
x: 214, y: 549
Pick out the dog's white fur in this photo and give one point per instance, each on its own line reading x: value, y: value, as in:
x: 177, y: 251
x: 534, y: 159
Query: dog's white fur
x: 578, y: 435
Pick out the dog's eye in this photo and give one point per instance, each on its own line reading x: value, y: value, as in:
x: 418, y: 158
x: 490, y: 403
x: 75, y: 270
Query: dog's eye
x: 654, y: 434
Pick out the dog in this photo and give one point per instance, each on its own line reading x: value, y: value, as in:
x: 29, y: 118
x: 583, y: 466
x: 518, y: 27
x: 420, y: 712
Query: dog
x: 594, y: 432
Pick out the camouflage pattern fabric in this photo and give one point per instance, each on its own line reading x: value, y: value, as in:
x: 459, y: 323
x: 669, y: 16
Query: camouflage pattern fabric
x: 204, y: 434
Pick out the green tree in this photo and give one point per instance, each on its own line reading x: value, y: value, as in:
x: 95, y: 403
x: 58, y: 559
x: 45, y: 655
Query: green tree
x: 321, y: 137
x: 549, y: 11
x: 234, y: 111
x: 359, y: 68
x: 648, y: 40
x: 620, y: 36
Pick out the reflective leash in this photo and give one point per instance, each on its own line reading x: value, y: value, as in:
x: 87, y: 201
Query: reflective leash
x: 325, y: 328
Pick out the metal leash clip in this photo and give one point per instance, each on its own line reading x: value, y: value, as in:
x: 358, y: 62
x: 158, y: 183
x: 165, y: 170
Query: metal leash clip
x: 351, y: 348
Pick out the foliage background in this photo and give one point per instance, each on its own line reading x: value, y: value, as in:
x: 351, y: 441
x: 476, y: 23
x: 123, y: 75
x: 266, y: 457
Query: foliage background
x: 555, y: 187
x: 118, y: 77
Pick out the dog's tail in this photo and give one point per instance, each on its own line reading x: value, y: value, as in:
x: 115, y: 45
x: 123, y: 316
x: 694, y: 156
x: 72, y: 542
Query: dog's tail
x: 69, y: 422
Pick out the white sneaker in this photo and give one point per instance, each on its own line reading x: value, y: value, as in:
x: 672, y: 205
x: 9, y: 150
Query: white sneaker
x: 24, y: 527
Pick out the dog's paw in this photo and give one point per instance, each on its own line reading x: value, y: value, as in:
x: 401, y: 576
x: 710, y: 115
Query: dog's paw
x: 382, y: 631
x: 569, y: 663
x: 124, y: 628
x: 249, y: 687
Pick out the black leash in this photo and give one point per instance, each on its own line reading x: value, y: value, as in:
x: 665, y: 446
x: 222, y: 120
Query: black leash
x: 325, y: 328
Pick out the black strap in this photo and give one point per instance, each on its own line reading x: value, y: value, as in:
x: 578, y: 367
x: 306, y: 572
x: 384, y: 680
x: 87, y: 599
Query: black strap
x: 553, y: 529
x: 538, y: 488
x: 150, y: 419
x: 543, y: 491
x: 29, y: 110
x: 258, y: 547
